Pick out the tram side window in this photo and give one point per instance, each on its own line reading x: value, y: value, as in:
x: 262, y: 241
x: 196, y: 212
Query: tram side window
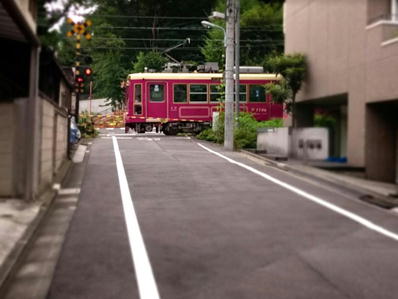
x: 156, y: 92
x: 257, y: 93
x: 215, y: 94
x: 242, y: 93
x: 137, y: 93
x: 137, y: 99
x: 180, y: 93
x: 198, y: 93
x: 137, y: 109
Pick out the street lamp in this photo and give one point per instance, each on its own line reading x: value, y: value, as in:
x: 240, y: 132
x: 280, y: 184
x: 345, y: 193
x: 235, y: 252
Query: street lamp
x: 209, y: 25
x: 229, y: 40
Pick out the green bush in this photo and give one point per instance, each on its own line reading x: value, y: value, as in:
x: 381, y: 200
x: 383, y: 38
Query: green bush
x: 207, y: 134
x: 86, y: 126
x: 245, y: 134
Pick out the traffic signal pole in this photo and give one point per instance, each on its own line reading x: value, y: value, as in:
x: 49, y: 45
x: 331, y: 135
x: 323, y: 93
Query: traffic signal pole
x: 229, y: 77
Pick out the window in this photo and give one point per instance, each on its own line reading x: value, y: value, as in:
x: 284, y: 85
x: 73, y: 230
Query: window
x: 215, y: 94
x: 137, y: 93
x: 180, y: 93
x: 137, y: 109
x: 242, y: 93
x: 198, y: 93
x: 137, y: 99
x: 257, y: 93
x: 156, y: 92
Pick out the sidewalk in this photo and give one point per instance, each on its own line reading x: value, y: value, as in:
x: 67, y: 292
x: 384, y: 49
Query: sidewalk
x: 378, y: 193
x: 18, y: 222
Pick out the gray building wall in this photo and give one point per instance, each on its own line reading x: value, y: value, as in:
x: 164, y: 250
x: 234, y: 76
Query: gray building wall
x: 350, y: 50
x: 7, y: 138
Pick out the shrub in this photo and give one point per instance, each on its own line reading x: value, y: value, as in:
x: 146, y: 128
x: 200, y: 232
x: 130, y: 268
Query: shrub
x: 86, y: 126
x: 245, y: 135
x: 207, y: 134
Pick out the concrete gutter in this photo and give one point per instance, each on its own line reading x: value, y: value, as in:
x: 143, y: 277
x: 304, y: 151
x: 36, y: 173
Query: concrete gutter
x: 373, y: 192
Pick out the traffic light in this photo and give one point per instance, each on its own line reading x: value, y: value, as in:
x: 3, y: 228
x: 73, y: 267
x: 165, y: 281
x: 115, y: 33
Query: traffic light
x: 88, y: 71
x: 79, y: 79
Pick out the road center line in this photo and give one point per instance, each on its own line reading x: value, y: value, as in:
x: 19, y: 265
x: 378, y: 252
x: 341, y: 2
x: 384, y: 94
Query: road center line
x: 145, y: 279
x: 368, y: 224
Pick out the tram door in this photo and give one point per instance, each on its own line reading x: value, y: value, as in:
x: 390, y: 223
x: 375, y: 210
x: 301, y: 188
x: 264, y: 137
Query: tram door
x: 156, y: 100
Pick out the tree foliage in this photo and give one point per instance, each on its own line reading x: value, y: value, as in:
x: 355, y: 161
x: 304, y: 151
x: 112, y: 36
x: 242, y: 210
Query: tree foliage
x: 261, y: 32
x: 293, y: 68
x: 150, y: 60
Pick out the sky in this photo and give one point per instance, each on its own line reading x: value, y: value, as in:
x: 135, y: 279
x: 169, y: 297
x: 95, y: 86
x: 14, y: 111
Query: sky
x: 74, y: 12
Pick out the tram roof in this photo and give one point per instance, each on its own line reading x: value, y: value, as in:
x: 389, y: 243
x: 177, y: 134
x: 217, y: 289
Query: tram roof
x: 197, y: 76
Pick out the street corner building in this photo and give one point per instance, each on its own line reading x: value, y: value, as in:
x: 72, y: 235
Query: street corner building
x: 352, y: 53
x: 35, y: 99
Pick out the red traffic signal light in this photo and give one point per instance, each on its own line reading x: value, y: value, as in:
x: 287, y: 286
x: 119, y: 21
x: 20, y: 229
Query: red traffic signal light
x: 79, y: 79
x: 88, y: 71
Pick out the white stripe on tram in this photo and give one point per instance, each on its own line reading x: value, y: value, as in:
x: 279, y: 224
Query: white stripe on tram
x: 145, y: 279
x: 368, y: 224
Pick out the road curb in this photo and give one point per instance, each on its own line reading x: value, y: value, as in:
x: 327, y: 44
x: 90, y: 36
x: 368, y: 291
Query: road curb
x: 46, y: 200
x: 369, y: 196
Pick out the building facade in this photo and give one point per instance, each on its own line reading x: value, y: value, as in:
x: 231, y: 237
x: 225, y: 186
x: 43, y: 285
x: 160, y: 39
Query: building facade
x: 352, y: 52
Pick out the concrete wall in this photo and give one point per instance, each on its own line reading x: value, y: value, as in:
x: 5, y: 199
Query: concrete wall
x: 61, y: 144
x: 24, y: 6
x: 346, y: 55
x: 7, y: 139
x: 274, y: 141
x: 97, y: 106
x: 302, y: 143
x: 377, y: 9
x: 47, y: 143
x: 53, y: 142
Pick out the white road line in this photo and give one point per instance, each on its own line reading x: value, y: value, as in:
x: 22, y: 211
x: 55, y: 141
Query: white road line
x: 109, y: 137
x: 368, y: 224
x: 145, y: 279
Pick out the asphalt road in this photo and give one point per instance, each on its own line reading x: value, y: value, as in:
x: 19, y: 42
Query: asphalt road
x: 213, y: 229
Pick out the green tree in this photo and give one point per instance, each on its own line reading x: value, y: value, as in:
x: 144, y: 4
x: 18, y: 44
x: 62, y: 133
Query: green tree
x: 261, y: 32
x: 150, y: 60
x: 213, y: 49
x: 108, y: 67
x: 292, y: 68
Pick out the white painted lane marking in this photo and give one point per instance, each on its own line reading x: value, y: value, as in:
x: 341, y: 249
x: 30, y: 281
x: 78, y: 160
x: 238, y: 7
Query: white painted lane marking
x: 368, y: 224
x: 109, y: 137
x: 145, y: 280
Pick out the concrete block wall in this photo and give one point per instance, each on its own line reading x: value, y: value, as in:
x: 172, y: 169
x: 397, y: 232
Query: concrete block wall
x: 54, y: 136
x: 61, y: 145
x: 47, y: 144
x: 7, y: 140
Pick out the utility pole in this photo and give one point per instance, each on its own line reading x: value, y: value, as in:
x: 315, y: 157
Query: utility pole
x: 229, y: 78
x: 237, y: 57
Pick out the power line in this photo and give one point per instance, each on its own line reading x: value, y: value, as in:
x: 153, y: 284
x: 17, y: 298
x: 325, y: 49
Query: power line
x: 180, y: 39
x: 186, y: 28
x: 160, y: 49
